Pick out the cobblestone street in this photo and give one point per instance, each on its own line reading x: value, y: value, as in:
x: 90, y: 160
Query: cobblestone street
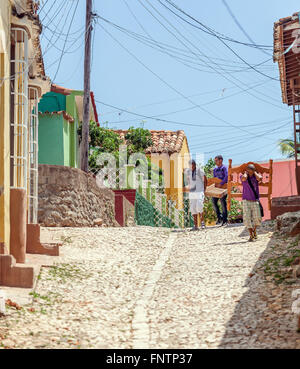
x: 144, y: 287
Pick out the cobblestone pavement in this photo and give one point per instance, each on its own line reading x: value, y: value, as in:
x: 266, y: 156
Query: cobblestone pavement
x: 152, y: 288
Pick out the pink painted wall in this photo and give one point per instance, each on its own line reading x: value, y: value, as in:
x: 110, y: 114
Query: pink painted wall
x: 284, y: 182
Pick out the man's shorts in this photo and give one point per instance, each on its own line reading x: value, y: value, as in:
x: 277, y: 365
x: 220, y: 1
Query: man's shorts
x: 251, y: 214
x: 196, y: 203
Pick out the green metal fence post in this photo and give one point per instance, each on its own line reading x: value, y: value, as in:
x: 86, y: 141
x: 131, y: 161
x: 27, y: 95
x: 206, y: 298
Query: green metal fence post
x: 147, y: 189
x: 153, y: 195
x: 130, y: 180
x: 164, y: 204
x: 140, y: 179
x: 181, y: 218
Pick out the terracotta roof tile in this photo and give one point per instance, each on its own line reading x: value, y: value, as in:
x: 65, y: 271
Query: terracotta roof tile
x: 60, y: 90
x: 163, y: 141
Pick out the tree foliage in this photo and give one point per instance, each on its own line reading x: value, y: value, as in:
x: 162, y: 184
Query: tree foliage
x: 104, y: 140
x: 287, y: 147
x: 138, y: 139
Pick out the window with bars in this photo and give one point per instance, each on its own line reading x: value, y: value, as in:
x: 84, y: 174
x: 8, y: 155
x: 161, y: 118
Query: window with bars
x: 19, y: 108
x: 33, y: 140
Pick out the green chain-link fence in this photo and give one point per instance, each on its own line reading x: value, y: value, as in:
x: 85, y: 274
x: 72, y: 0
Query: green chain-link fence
x: 146, y: 214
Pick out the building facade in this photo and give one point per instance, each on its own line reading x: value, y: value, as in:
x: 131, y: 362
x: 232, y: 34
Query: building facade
x: 169, y: 152
x: 60, y: 115
x: 22, y: 83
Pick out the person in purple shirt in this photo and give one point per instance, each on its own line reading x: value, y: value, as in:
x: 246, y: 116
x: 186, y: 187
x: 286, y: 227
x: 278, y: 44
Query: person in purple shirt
x: 251, y: 208
x: 220, y: 171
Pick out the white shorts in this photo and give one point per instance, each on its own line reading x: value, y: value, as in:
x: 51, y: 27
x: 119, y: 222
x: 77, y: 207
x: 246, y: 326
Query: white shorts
x: 196, y: 206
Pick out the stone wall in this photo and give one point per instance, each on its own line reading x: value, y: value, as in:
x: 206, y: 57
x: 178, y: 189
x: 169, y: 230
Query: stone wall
x: 68, y: 197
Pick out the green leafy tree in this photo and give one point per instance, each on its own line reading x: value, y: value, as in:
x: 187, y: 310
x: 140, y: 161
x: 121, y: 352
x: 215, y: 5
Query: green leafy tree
x: 138, y: 139
x: 208, y: 168
x: 107, y: 140
x: 287, y: 147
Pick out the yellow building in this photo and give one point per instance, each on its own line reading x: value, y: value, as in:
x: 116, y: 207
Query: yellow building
x: 22, y: 83
x: 169, y: 152
x: 5, y: 14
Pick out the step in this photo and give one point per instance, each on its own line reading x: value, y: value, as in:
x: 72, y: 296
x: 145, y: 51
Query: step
x: 16, y: 275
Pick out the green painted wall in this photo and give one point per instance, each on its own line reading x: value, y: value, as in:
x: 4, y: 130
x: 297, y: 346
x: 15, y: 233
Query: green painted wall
x: 52, y: 101
x: 71, y: 108
x: 51, y: 145
x: 65, y: 149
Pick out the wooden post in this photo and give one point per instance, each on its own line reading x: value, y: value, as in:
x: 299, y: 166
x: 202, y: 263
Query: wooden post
x: 87, y: 82
x: 270, y: 183
x: 229, y: 185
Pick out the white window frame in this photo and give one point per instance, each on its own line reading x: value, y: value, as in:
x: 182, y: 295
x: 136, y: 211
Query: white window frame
x: 19, y: 83
x: 33, y: 164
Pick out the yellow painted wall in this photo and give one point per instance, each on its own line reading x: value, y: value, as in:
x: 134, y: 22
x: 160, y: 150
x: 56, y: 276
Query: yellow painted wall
x: 172, y: 167
x: 5, y: 12
x: 178, y: 162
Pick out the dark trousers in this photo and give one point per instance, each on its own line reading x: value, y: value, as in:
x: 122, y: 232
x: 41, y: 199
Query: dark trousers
x: 223, y: 201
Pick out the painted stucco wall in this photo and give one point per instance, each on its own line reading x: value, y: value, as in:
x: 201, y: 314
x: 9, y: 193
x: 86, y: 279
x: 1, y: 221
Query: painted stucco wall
x: 51, y: 139
x: 172, y: 166
x: 72, y: 109
x: 58, y: 139
x: 52, y: 101
x: 5, y: 12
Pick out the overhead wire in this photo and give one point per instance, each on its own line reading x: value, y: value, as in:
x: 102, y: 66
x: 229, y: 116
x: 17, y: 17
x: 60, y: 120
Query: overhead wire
x: 176, y: 122
x: 212, y: 63
x: 220, y: 38
x: 240, y: 26
x: 217, y: 68
x: 63, y: 51
x: 212, y: 32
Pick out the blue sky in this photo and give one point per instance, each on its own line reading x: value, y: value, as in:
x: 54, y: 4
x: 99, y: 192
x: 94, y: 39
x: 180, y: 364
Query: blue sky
x: 248, y: 118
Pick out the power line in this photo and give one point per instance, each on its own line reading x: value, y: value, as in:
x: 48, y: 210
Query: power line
x: 220, y: 38
x: 212, y: 32
x: 240, y: 26
x: 175, y: 122
x: 63, y: 51
x: 167, y: 49
x: 171, y: 100
x: 190, y: 108
x: 212, y: 62
x: 49, y: 10
x: 251, y: 138
x: 242, y: 139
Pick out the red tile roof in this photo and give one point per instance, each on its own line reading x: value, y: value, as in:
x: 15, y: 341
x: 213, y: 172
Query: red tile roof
x: 60, y: 90
x: 163, y: 141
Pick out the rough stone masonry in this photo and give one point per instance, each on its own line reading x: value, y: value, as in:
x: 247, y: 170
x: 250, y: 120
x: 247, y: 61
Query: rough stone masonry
x: 68, y: 197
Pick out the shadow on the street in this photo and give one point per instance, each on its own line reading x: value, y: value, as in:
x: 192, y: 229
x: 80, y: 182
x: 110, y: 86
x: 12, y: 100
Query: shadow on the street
x: 235, y: 243
x: 267, y: 226
x: 263, y: 317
